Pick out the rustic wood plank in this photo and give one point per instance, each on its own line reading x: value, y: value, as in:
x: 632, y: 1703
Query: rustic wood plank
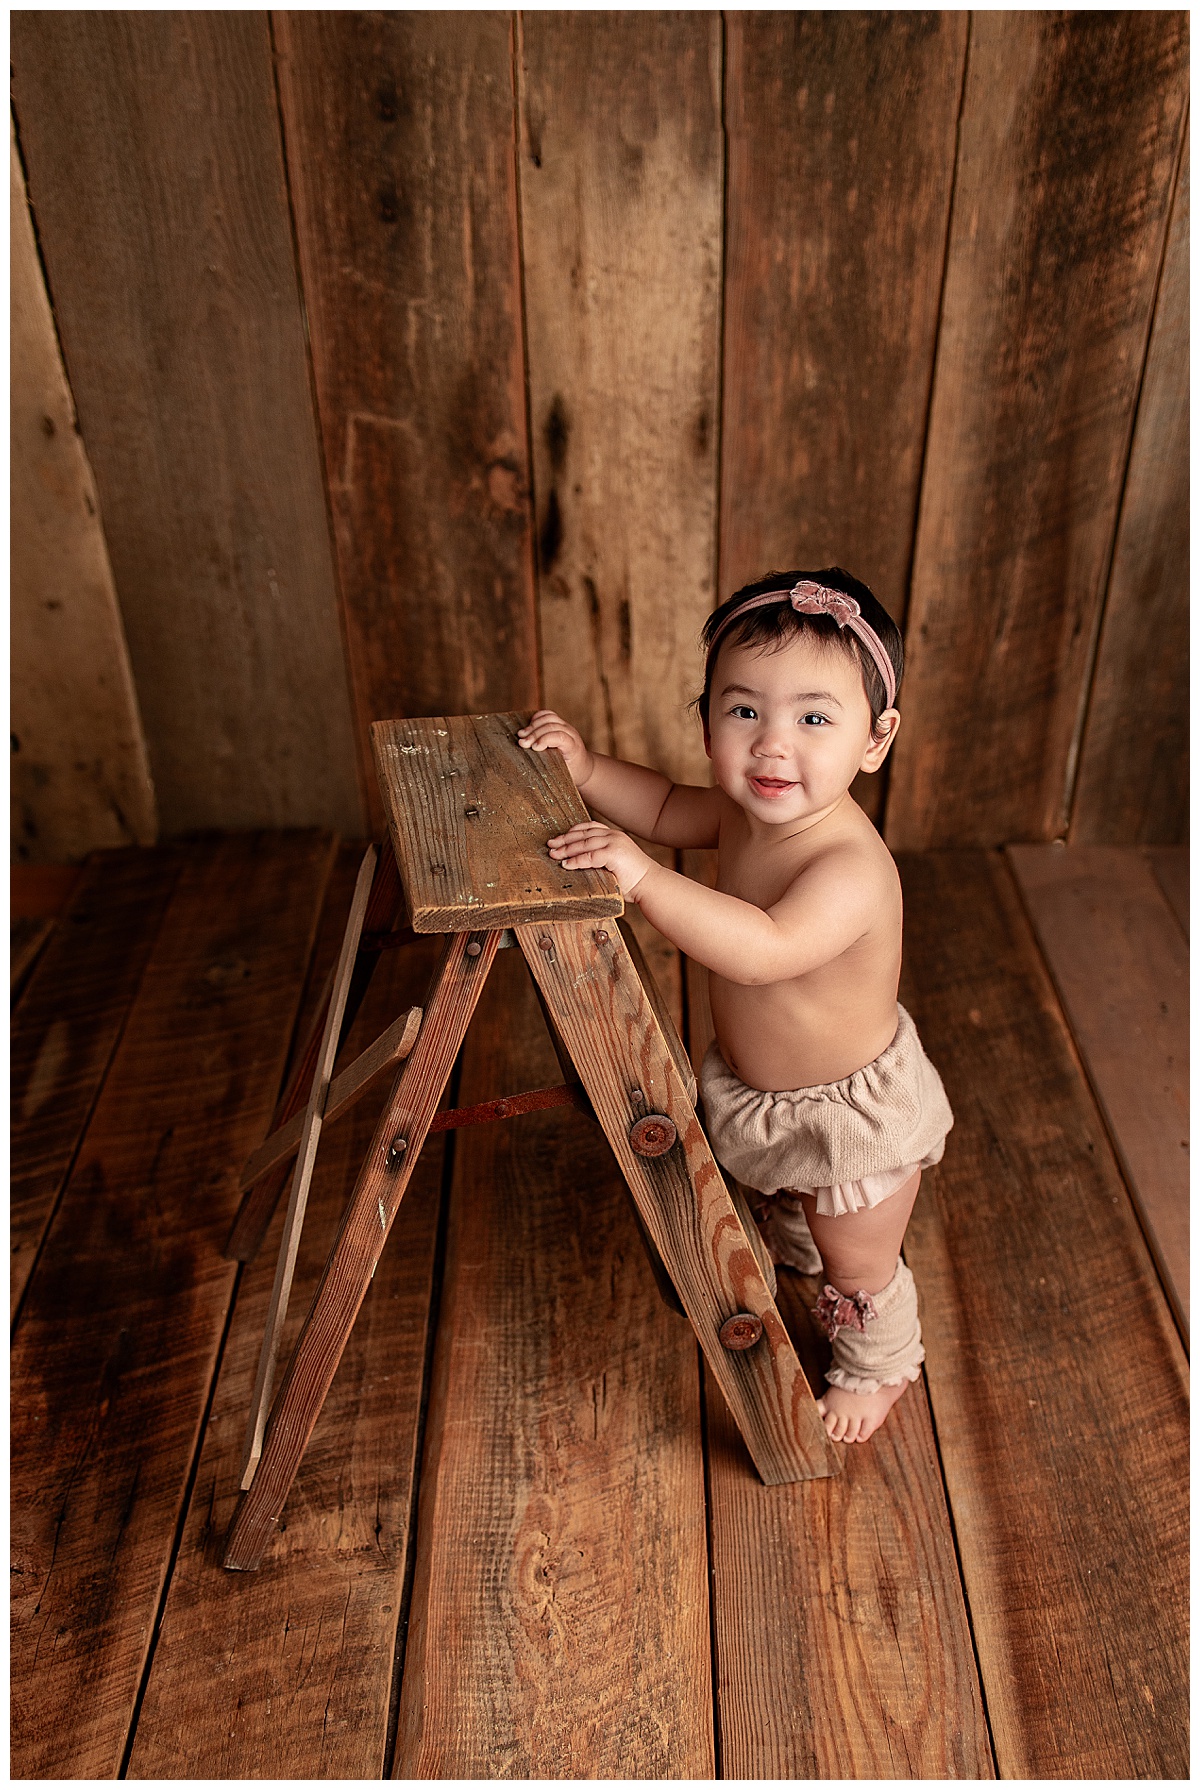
x: 152, y: 146
x: 309, y: 1143
x: 80, y: 776
x: 1068, y: 147
x: 1170, y: 866
x: 1120, y: 967
x: 621, y: 172
x: 665, y: 1012
x: 118, y: 1340
x: 842, y: 1641
x: 66, y: 1028
x: 1055, y: 1372
x: 560, y: 1611
x: 469, y: 812
x: 36, y: 891
x: 286, y: 1673
x: 27, y: 938
x: 401, y: 163
x: 378, y: 1192
x: 841, y: 143
x: 1133, y: 765
x: 841, y: 160
x: 847, y: 1652
x: 600, y: 1011
x: 384, y: 1053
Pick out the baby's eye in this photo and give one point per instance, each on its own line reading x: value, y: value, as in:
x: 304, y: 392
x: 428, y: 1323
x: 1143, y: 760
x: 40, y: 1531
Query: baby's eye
x: 815, y: 720
x: 743, y: 712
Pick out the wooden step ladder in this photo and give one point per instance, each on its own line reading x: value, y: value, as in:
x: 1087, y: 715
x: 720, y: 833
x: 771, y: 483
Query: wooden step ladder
x: 469, y: 813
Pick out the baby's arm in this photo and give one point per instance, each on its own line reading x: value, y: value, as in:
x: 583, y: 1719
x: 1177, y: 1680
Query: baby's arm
x: 636, y: 797
x: 828, y: 907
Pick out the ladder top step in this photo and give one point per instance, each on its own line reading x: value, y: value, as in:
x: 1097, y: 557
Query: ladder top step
x: 469, y: 811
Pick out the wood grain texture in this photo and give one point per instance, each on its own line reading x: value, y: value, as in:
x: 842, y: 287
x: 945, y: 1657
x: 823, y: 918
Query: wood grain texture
x: 1054, y: 1369
x: 80, y: 775
x: 1170, y: 866
x: 1120, y: 965
x: 117, y: 1342
x: 621, y: 174
x: 841, y: 160
x: 842, y: 1640
x: 399, y: 131
x: 378, y: 1192
x: 286, y: 1673
x: 66, y: 1028
x: 606, y: 1022
x: 841, y: 144
x: 560, y: 1611
x: 40, y: 890
x: 1132, y: 785
x: 469, y: 812
x: 666, y: 1011
x: 151, y: 142
x: 27, y: 940
x: 701, y: 866
x: 1068, y: 147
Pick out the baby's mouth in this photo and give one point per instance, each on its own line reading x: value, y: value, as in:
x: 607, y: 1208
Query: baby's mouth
x: 771, y: 786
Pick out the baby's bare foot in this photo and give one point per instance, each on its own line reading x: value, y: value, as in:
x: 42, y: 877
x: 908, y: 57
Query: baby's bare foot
x: 853, y: 1416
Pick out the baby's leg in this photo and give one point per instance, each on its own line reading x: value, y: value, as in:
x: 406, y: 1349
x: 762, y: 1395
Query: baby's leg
x: 860, y: 1251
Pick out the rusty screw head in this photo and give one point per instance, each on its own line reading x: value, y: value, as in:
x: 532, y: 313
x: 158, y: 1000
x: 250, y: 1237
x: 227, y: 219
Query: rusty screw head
x: 474, y: 948
x: 741, y: 1331
x: 652, y: 1135
x: 545, y: 943
x: 602, y: 938
x: 396, y: 1153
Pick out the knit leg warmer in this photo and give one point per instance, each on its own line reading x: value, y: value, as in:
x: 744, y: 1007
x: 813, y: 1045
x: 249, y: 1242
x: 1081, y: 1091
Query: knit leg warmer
x: 887, y: 1350
x: 784, y: 1230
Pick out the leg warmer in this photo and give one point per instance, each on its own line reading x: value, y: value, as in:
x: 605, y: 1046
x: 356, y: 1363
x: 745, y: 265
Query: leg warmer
x: 876, y: 1337
x: 785, y: 1232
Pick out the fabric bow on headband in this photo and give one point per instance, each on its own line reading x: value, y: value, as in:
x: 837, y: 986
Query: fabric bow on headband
x: 810, y: 598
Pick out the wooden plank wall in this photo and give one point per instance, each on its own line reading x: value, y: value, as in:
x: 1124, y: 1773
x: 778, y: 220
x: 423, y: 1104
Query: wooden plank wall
x: 80, y: 780
x: 155, y: 168
x: 435, y: 362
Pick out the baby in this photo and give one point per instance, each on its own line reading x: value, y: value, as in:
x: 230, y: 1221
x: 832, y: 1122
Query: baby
x: 817, y: 1093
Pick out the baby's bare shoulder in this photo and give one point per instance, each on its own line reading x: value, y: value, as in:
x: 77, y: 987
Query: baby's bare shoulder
x: 853, y: 873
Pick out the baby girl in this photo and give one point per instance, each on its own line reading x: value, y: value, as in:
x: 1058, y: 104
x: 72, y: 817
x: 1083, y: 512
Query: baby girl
x: 817, y: 1094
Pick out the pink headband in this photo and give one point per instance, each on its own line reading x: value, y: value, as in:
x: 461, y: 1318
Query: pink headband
x: 816, y: 599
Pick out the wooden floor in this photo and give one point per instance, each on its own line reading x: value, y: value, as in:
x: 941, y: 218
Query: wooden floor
x: 526, y: 1540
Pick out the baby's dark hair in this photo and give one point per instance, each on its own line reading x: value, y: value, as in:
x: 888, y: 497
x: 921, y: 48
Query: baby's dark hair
x: 774, y: 624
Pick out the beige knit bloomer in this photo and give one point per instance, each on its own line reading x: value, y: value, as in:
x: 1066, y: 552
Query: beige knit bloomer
x: 851, y: 1143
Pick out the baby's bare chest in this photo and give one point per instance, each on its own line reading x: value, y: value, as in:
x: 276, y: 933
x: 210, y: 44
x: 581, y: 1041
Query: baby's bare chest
x: 756, y: 875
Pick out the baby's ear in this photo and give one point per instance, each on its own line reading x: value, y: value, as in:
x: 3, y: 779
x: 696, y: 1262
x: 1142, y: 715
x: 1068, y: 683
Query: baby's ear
x: 880, y: 743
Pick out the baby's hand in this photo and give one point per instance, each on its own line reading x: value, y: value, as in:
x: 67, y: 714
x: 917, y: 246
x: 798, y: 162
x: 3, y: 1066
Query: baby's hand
x: 593, y: 846
x: 548, y: 729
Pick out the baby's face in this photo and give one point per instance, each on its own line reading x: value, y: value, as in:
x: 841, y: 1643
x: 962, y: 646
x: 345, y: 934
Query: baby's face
x: 789, y: 730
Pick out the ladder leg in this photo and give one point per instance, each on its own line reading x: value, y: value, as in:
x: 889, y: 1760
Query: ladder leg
x: 373, y: 1205
x: 305, y: 1163
x: 601, y: 1012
